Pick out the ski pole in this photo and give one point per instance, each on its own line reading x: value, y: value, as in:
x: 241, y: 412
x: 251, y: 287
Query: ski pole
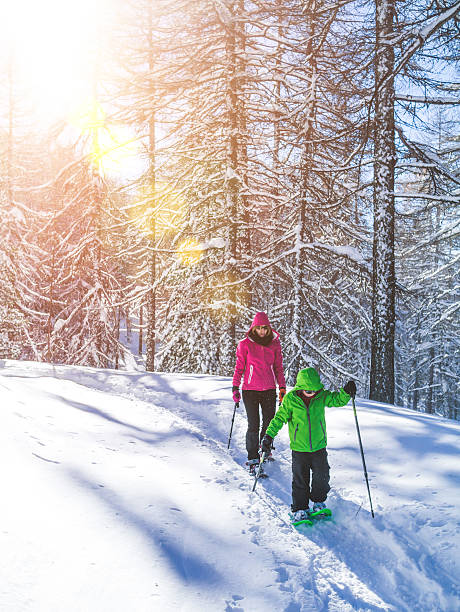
x: 362, y: 454
x: 231, y: 428
x: 262, y: 459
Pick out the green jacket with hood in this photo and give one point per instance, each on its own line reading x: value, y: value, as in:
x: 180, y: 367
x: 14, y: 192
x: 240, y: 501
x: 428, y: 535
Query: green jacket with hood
x: 307, y: 424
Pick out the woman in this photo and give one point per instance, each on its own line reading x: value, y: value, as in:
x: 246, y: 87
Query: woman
x: 259, y: 359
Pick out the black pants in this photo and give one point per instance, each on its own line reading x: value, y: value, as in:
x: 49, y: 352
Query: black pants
x: 267, y: 402
x: 302, y: 464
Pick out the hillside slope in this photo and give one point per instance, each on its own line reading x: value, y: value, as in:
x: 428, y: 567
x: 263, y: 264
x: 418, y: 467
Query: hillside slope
x: 119, y: 494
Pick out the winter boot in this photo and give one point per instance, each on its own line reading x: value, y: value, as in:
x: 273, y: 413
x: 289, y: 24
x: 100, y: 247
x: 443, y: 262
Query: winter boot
x: 317, y: 506
x: 253, y: 466
x: 299, y: 515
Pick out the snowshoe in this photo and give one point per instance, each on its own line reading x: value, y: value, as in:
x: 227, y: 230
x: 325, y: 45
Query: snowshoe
x: 253, y: 466
x: 318, y: 506
x: 310, y: 517
x: 320, y: 511
x: 300, y: 517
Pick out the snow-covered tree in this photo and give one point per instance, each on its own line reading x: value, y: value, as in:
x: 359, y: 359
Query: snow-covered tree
x: 402, y: 60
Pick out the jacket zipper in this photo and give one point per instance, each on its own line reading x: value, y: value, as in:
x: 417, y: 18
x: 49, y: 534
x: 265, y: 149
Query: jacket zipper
x: 309, y: 426
x: 324, y: 431
x: 251, y: 368
x: 295, y: 433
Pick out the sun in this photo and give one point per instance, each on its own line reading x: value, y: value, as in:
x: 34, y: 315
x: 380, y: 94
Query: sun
x: 53, y: 46
x: 54, y: 50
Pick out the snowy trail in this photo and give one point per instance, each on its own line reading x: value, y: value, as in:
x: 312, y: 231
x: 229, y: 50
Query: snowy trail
x: 131, y: 496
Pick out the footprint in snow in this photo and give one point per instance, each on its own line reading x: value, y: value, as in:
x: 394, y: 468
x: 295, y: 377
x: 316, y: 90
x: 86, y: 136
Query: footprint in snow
x: 232, y: 605
x: 283, y: 576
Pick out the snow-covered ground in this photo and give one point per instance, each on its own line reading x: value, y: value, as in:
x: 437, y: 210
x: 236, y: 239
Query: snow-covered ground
x: 118, y: 494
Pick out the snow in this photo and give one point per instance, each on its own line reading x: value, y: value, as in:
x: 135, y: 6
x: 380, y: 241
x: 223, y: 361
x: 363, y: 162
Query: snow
x: 426, y: 100
x: 119, y: 494
x: 59, y: 324
x: 214, y: 243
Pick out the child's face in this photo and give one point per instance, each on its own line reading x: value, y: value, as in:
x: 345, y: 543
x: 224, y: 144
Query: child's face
x: 308, y: 393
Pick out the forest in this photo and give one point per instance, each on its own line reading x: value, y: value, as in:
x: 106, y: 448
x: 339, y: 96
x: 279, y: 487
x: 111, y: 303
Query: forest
x: 300, y: 157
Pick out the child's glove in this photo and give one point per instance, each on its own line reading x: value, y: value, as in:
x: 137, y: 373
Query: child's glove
x: 236, y: 394
x: 350, y: 388
x: 266, y: 444
x: 282, y: 393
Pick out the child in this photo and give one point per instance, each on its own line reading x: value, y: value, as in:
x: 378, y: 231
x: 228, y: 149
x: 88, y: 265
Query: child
x: 303, y: 410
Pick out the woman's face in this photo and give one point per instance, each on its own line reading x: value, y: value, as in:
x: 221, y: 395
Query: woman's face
x: 261, y: 330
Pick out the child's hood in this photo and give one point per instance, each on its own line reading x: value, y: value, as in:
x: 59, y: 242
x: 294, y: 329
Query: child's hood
x: 308, y: 380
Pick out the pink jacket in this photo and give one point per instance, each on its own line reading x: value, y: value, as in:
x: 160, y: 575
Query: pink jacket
x: 262, y: 366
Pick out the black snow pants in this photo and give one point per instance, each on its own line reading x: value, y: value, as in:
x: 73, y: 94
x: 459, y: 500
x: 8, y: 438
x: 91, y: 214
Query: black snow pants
x: 302, y: 465
x: 266, y: 400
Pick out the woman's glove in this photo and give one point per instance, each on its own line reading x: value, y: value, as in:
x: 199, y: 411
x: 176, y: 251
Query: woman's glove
x: 266, y: 444
x: 350, y: 388
x: 282, y: 393
x: 236, y: 394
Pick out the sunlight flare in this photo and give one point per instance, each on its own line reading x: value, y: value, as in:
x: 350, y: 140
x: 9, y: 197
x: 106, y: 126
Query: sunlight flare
x: 113, y: 149
x: 190, y: 252
x: 54, y: 45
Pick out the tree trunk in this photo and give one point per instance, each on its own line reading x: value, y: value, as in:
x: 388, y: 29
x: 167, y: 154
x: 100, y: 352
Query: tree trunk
x: 9, y: 155
x: 232, y: 180
x: 383, y: 298
x: 150, y: 348
x: 141, y: 330
x: 429, y: 396
x: 303, y: 234
x: 277, y: 169
x: 416, y: 370
x: 243, y: 132
x: 151, y: 298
